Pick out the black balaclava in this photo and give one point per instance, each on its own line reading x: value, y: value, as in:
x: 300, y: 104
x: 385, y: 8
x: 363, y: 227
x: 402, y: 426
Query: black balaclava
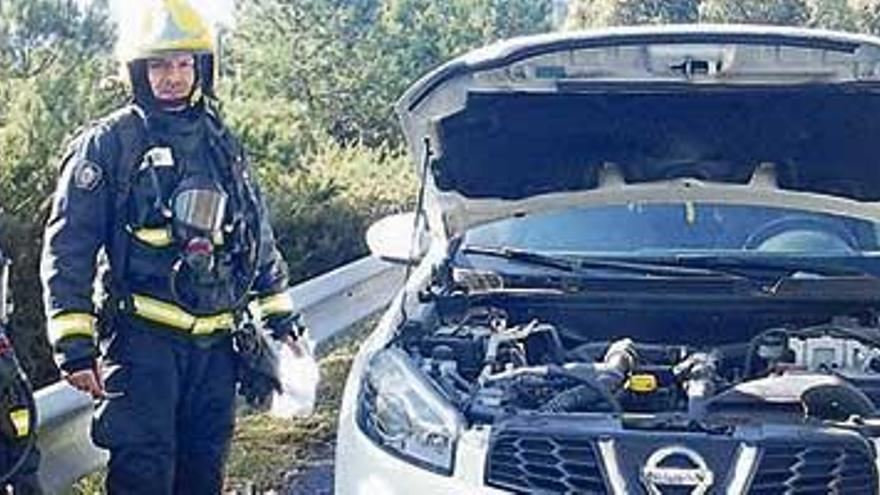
x: 143, y: 93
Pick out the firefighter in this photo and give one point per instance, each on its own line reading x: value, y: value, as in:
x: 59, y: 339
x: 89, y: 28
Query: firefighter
x: 19, y: 458
x: 157, y: 248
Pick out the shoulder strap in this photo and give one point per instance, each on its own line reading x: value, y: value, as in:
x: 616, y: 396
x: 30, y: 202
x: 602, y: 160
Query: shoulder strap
x: 131, y: 130
x: 227, y: 144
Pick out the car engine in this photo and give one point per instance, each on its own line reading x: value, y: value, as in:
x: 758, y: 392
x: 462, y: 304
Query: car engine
x: 491, y: 367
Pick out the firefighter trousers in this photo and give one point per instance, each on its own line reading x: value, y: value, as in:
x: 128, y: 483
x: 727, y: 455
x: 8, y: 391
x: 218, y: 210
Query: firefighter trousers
x: 168, y: 415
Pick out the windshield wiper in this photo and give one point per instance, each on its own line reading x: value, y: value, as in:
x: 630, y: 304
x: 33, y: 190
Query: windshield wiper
x: 582, y: 266
x: 783, y: 275
x: 771, y: 267
x: 763, y: 274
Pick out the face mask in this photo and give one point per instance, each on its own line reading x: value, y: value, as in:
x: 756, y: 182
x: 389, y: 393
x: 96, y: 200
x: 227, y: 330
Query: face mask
x: 200, y: 210
x: 198, y: 213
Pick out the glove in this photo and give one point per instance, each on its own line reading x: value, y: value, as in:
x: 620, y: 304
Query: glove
x: 256, y: 389
x: 290, y: 324
x: 76, y: 353
x: 257, y: 365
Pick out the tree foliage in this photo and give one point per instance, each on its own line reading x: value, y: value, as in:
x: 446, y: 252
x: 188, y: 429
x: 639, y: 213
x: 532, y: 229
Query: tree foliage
x: 783, y: 12
x: 867, y: 14
x: 861, y: 15
x: 600, y: 13
x: 833, y: 14
x: 345, y: 63
x: 52, y: 57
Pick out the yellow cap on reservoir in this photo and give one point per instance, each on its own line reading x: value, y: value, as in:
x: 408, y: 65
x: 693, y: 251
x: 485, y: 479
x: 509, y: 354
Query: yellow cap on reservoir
x: 642, y: 383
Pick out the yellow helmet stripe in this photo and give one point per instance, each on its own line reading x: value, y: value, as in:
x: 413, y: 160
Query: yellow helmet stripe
x: 186, y: 17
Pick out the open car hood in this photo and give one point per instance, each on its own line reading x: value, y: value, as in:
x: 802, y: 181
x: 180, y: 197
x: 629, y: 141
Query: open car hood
x: 741, y: 114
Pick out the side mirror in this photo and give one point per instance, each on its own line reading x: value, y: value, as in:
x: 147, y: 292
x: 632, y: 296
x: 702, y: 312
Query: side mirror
x: 391, y: 239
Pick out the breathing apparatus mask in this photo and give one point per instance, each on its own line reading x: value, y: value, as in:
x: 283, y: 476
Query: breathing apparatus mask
x: 198, y: 213
x: 198, y: 209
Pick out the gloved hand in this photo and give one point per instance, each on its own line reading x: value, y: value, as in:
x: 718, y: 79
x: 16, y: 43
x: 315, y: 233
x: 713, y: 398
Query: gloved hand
x: 256, y: 389
x: 257, y: 365
x: 289, y: 325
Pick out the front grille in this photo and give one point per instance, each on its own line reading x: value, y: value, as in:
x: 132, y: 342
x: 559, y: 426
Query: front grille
x: 814, y: 468
x: 555, y: 455
x: 530, y: 462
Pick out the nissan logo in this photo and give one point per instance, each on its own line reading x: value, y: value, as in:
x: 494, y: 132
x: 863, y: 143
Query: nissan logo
x: 677, y: 466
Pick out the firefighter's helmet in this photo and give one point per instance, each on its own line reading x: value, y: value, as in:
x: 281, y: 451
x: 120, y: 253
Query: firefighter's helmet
x: 161, y: 28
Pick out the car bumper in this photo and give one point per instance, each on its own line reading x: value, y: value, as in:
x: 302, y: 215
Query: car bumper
x: 363, y: 468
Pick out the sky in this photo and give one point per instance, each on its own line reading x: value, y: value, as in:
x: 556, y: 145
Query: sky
x: 221, y: 12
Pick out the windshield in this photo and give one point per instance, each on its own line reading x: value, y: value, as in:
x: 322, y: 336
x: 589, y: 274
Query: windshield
x: 660, y: 229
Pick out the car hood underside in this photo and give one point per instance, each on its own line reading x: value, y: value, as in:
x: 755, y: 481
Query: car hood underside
x: 544, y: 117
x: 517, y: 145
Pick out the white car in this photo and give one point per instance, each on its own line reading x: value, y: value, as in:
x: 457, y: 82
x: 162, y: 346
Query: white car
x: 646, y: 261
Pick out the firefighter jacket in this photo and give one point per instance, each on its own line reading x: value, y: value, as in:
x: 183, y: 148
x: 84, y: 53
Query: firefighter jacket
x: 112, y: 213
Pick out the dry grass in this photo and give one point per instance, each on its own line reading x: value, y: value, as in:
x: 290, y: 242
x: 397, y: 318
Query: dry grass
x: 267, y: 452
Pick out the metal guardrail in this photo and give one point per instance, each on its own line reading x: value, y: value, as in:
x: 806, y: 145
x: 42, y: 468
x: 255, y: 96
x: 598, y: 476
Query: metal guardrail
x: 329, y: 303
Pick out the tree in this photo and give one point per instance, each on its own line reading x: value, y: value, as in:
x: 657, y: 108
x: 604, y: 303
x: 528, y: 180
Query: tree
x: 52, y: 57
x: 345, y: 63
x: 598, y: 13
x: 832, y: 14
x: 867, y: 14
x: 783, y: 12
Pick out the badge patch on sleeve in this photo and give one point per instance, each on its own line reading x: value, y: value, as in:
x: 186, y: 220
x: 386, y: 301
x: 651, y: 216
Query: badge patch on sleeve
x: 87, y: 175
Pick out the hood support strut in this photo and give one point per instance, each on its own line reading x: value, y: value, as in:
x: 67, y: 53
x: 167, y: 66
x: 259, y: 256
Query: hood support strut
x: 420, y: 216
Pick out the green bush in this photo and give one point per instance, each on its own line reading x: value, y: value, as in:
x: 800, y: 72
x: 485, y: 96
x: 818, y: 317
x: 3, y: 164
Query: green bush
x: 320, y: 213
x: 345, y: 63
x: 849, y: 15
x: 52, y: 57
x: 322, y: 194
x: 28, y: 326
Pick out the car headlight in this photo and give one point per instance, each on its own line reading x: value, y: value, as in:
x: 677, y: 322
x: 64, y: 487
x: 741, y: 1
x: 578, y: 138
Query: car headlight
x: 402, y: 412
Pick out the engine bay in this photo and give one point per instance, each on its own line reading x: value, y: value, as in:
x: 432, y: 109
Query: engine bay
x: 492, y: 364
